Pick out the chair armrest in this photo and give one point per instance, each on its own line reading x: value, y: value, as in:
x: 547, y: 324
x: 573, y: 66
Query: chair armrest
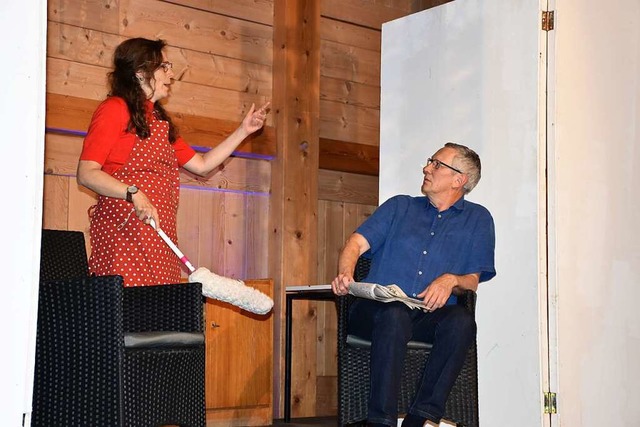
x: 468, y: 301
x: 79, y: 346
x: 177, y: 307
x: 342, y: 305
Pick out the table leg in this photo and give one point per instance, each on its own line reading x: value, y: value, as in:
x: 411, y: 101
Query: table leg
x: 287, y: 360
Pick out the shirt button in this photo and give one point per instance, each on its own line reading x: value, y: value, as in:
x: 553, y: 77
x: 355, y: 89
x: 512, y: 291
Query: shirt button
x: 432, y: 233
x: 424, y: 252
x: 414, y: 294
x: 439, y: 216
x: 419, y: 273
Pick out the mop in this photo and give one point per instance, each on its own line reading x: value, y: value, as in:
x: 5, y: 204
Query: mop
x: 221, y: 288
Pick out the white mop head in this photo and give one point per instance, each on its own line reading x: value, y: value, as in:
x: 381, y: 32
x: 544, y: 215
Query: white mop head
x: 233, y: 291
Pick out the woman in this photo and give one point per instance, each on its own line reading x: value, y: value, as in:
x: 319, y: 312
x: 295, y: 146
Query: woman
x: 131, y: 156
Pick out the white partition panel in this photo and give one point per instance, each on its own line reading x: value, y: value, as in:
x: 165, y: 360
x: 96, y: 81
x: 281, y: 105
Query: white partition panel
x: 596, y: 201
x: 22, y: 109
x: 468, y: 71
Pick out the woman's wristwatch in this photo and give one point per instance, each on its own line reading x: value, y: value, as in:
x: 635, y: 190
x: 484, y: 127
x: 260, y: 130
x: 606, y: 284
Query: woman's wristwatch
x: 131, y: 190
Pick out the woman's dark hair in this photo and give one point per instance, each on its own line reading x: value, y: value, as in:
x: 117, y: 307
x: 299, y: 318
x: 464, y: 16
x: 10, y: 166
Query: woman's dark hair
x: 133, y: 56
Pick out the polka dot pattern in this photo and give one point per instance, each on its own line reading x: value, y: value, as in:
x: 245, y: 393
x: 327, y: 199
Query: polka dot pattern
x: 129, y: 247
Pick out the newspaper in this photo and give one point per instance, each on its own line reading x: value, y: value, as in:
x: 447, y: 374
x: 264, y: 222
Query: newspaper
x: 383, y: 293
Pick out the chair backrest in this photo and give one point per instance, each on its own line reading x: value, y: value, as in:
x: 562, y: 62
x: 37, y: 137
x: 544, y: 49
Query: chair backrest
x: 63, y: 255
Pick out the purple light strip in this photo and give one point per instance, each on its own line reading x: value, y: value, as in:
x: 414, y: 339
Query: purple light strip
x: 226, y: 190
x: 198, y: 148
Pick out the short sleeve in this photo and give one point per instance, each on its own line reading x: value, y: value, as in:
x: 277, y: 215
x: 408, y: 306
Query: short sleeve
x: 376, y: 228
x: 184, y: 152
x: 108, y: 124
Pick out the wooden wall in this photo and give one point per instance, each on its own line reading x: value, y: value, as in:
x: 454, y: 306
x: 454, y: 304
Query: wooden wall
x: 222, y: 53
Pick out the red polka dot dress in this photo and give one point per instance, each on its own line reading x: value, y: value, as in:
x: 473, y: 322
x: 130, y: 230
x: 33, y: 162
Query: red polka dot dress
x: 121, y: 243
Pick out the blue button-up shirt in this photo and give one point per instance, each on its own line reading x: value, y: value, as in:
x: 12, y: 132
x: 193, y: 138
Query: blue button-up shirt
x: 412, y: 243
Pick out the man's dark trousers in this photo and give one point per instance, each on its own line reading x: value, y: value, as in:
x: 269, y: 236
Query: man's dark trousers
x: 390, y: 326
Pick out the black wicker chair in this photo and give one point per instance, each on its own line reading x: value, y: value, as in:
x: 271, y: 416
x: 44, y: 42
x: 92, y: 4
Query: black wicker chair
x: 354, y: 375
x: 113, y: 356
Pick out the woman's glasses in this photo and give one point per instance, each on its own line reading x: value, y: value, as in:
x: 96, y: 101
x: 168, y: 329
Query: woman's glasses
x: 166, y: 66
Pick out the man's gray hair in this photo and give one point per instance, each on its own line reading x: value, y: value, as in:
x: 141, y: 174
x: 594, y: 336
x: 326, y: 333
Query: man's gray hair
x: 468, y: 162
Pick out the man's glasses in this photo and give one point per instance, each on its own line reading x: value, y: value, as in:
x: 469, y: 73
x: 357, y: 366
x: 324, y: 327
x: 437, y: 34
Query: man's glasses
x: 166, y: 66
x: 437, y: 163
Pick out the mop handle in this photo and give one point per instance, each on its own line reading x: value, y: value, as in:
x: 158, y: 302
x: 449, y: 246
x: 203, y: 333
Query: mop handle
x: 172, y: 245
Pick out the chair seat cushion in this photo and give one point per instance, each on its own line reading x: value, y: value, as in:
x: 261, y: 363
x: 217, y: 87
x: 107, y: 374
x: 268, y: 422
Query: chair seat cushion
x: 358, y: 342
x: 162, y: 339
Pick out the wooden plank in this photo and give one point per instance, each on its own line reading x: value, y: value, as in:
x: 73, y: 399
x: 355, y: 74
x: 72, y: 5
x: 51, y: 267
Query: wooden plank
x: 322, y: 240
x: 55, y: 202
x: 349, y: 157
x: 211, y: 238
x: 240, y: 417
x: 347, y: 187
x: 419, y: 5
x: 349, y: 123
x: 348, y: 92
x: 257, y: 253
x: 76, y: 79
x: 327, y: 396
x: 197, y: 30
x: 235, y: 174
x: 209, y: 132
x: 296, y: 71
x: 330, y: 227
x: 367, y: 13
x: 89, y: 82
x: 92, y: 47
x: 351, y: 63
x: 250, y: 10
x: 80, y: 44
x: 235, y: 238
x: 71, y: 113
x: 80, y: 200
x: 61, y: 154
x: 188, y: 227
x: 219, y: 71
x: 94, y: 14
x: 349, y: 34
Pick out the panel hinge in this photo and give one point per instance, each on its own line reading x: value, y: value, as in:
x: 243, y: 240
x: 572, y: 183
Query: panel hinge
x: 550, y: 403
x: 547, y: 20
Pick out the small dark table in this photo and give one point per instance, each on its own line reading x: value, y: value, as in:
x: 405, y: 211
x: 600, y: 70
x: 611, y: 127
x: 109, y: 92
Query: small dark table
x: 317, y: 292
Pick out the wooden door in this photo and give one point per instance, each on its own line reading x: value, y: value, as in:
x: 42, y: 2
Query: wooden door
x: 239, y: 363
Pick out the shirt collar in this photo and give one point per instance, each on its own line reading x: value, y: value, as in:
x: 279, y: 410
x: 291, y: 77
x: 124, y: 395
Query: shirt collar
x: 458, y: 205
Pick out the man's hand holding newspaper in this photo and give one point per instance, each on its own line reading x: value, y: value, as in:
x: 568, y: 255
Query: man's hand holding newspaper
x: 382, y: 293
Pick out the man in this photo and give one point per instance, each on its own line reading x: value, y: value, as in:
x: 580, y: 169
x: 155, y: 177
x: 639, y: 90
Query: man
x: 433, y: 247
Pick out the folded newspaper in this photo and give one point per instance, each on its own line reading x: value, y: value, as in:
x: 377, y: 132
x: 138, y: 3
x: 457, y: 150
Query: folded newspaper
x: 384, y: 293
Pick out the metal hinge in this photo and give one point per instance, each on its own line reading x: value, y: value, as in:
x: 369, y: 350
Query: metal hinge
x: 547, y: 20
x: 550, y: 403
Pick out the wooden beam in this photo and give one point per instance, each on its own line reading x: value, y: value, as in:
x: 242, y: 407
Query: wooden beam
x: 71, y: 115
x: 347, y: 188
x: 349, y: 157
x: 370, y: 14
x: 248, y: 10
x: 294, y: 201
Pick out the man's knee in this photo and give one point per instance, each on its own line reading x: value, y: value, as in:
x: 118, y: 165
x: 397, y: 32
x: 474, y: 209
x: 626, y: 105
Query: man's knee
x: 460, y: 323
x: 394, y: 322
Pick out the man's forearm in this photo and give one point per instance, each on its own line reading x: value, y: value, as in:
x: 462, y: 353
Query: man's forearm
x: 355, y: 246
x: 466, y: 282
